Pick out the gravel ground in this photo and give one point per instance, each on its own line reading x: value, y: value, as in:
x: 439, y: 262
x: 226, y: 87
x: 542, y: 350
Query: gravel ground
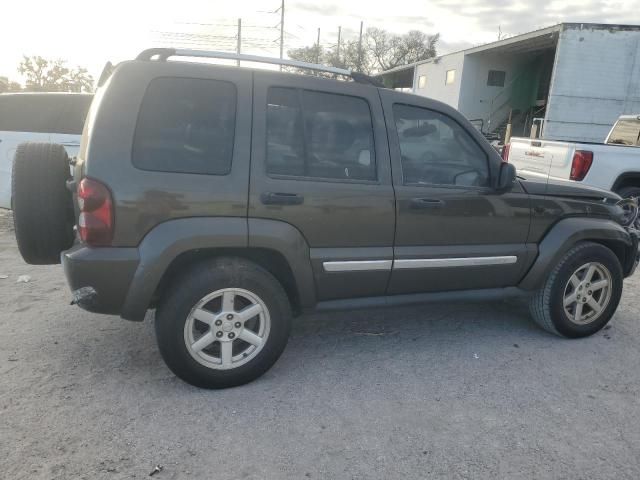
x: 442, y: 391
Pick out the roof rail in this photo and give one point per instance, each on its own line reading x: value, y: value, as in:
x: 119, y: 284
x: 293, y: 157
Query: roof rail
x: 163, y: 54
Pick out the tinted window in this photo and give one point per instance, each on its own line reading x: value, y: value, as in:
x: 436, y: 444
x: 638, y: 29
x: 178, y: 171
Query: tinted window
x: 436, y: 150
x: 44, y: 113
x: 626, y: 132
x: 496, y: 78
x: 186, y: 125
x: 314, y: 134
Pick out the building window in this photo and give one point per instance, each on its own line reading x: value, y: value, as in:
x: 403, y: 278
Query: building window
x: 450, y: 78
x: 422, y: 81
x: 319, y: 135
x: 496, y: 78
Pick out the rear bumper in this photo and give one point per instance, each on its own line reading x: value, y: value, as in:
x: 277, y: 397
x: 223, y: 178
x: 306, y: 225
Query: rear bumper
x: 103, y: 274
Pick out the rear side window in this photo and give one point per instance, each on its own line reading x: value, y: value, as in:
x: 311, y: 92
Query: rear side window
x: 44, y: 113
x: 626, y: 132
x: 320, y: 135
x: 186, y: 125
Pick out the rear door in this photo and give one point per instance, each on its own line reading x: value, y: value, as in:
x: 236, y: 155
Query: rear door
x: 320, y: 162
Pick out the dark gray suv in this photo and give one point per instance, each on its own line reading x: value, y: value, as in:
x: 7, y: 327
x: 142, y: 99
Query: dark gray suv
x: 231, y: 200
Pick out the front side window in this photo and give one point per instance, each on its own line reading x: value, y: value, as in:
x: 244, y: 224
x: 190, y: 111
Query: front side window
x: 436, y: 150
x: 317, y: 134
x: 626, y: 132
x: 186, y: 125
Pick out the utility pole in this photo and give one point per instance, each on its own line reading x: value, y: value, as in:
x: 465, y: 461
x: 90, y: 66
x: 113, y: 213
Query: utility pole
x: 239, y: 47
x: 281, y: 32
x: 318, y: 47
x: 360, y: 48
x: 338, y: 47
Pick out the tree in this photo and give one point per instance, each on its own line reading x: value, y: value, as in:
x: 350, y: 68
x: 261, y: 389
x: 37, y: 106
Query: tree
x: 43, y: 75
x: 390, y: 51
x: 381, y: 50
x: 7, y: 85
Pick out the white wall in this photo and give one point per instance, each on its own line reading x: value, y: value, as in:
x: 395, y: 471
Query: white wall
x: 596, y: 78
x: 476, y: 95
x: 436, y: 74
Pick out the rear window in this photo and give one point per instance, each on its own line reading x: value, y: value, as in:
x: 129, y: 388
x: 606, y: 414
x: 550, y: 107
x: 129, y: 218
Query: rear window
x: 186, y: 125
x: 626, y: 132
x: 44, y: 113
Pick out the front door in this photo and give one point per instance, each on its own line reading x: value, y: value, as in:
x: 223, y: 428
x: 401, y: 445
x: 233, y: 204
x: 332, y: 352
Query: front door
x: 320, y: 162
x: 453, y: 231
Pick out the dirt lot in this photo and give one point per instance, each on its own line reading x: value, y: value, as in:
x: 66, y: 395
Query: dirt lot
x: 444, y: 391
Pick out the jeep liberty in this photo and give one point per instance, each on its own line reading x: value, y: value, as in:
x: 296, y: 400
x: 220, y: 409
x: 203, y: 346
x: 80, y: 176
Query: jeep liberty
x: 231, y: 200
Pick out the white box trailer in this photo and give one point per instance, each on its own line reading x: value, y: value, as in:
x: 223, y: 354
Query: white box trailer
x: 596, y: 78
x: 569, y: 82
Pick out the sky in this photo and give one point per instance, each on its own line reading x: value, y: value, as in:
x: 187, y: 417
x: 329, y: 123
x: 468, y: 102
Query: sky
x: 89, y: 33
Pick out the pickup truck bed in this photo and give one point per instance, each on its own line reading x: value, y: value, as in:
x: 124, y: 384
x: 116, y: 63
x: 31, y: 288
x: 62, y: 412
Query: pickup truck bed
x: 613, y: 165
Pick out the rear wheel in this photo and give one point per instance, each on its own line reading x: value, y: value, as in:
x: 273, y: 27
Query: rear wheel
x: 581, y: 294
x: 223, y: 323
x: 629, y: 192
x: 42, y: 205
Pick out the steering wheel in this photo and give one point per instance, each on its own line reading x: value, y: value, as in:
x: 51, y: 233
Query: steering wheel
x: 476, y: 181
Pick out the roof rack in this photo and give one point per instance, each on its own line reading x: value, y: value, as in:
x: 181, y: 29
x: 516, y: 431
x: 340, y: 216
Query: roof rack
x: 163, y: 54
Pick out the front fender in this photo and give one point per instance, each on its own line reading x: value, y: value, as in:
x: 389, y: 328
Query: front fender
x: 564, y: 235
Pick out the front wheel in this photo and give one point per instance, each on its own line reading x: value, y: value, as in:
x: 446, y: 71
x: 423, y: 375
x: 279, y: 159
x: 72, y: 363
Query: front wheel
x: 223, y: 323
x: 581, y: 293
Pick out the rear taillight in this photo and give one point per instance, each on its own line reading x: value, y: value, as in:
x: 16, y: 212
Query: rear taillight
x: 95, y: 223
x: 505, y: 152
x: 582, y: 160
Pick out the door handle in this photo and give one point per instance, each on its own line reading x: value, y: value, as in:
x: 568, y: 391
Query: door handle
x: 279, y: 198
x: 426, y: 203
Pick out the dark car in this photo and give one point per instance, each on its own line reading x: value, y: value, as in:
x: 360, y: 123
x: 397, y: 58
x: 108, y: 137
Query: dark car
x: 231, y: 200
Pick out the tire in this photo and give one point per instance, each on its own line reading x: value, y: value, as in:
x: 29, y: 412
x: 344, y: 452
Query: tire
x: 628, y: 192
x: 197, y: 293
x: 547, y: 304
x: 42, y: 205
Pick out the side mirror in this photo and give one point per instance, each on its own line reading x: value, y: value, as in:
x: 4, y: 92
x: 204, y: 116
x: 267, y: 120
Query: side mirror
x: 506, y: 177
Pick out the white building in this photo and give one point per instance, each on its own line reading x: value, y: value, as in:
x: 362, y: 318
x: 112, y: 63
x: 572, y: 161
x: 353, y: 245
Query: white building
x: 574, y: 79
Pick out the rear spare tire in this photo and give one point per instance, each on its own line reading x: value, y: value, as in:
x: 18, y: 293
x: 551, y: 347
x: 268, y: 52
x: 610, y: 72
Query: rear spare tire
x: 42, y: 204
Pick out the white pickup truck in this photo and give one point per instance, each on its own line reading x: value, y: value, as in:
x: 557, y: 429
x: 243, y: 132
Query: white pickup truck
x: 38, y: 117
x: 612, y: 165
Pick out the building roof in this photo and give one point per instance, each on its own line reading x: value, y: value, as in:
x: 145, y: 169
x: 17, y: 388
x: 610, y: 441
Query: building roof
x: 535, y: 40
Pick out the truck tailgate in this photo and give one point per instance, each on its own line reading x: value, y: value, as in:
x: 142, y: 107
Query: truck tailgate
x: 535, y: 157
